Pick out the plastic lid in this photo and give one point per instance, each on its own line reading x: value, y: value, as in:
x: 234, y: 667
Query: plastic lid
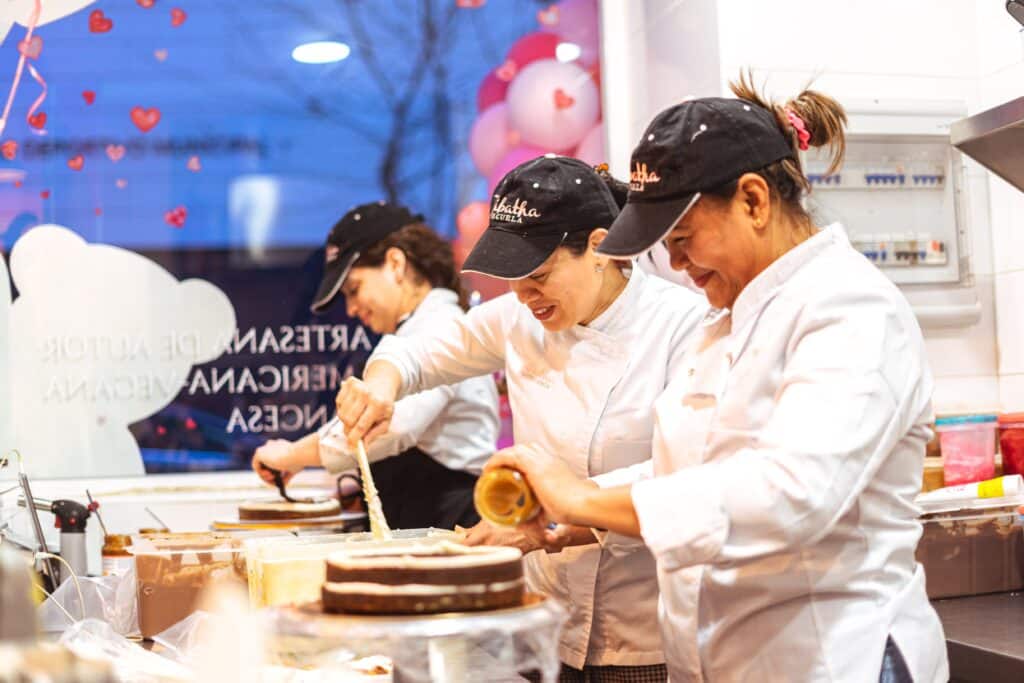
x: 1011, y: 417
x: 965, y: 419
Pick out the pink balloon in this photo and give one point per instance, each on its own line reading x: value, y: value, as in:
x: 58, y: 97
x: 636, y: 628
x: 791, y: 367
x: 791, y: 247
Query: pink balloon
x: 578, y: 23
x: 553, y: 104
x: 534, y: 46
x: 471, y: 221
x: 492, y: 90
x: 591, y: 149
x: 490, y: 138
x: 514, y: 157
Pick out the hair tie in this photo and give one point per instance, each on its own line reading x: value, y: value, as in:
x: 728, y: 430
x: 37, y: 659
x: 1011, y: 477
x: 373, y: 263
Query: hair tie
x: 800, y: 127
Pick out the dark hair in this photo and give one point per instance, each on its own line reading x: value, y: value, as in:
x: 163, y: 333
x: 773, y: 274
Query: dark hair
x: 428, y: 254
x: 578, y: 242
x: 824, y: 119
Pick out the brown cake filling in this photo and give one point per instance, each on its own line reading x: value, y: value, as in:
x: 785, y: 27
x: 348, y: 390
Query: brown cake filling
x: 282, y: 509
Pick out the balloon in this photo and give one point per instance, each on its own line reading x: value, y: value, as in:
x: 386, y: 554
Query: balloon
x: 591, y: 149
x: 534, y: 46
x: 492, y: 90
x: 553, y: 104
x: 578, y: 23
x: 515, y: 156
x: 471, y: 221
x: 490, y: 138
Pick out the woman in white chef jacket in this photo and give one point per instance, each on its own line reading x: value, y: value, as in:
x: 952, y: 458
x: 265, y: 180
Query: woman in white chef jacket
x: 789, y: 448
x: 398, y: 277
x: 586, y: 344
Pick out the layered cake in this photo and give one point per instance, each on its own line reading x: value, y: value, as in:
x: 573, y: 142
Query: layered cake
x: 444, y: 577
x: 283, y: 509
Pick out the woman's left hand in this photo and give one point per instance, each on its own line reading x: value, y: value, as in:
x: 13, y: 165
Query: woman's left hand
x: 558, y: 490
x: 485, y: 533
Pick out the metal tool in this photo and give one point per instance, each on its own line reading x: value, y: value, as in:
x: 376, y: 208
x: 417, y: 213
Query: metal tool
x: 94, y: 508
x: 70, y: 517
x: 279, y: 483
x: 159, y: 521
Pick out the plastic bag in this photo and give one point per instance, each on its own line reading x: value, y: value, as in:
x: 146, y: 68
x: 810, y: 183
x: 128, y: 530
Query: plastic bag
x: 94, y: 639
x: 111, y: 599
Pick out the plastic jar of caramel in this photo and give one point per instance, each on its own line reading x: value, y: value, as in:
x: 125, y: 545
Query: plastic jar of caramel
x: 503, y: 497
x: 117, y: 558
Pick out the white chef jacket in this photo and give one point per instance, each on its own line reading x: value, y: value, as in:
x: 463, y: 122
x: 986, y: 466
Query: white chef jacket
x: 788, y: 453
x: 586, y: 394
x: 456, y: 425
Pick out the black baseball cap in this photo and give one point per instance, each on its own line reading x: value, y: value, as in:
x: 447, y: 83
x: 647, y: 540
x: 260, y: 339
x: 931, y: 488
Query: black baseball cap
x: 359, y: 229
x: 694, y: 146
x: 534, y: 208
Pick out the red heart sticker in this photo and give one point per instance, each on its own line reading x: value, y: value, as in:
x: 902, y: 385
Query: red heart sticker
x: 98, y: 211
x: 160, y: 54
x: 115, y: 152
x: 9, y: 149
x: 121, y: 183
x: 469, y: 4
x: 176, y: 217
x: 76, y: 162
x: 17, y: 183
x: 507, y: 71
x: 99, y: 23
x: 193, y: 164
x: 37, y: 120
x: 563, y: 100
x: 89, y: 96
x: 45, y: 194
x: 161, y: 430
x: 31, y: 48
x: 145, y: 119
x: 177, y: 17
x: 190, y: 423
x: 549, y: 16
x: 146, y: 4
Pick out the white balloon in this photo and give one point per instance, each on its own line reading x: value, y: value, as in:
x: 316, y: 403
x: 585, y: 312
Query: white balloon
x: 20, y: 12
x: 553, y: 104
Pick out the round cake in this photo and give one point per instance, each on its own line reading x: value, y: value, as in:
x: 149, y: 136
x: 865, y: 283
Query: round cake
x: 283, y: 509
x: 442, y: 577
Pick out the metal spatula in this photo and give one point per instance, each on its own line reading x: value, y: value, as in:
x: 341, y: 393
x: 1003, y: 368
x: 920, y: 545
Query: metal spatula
x: 279, y: 483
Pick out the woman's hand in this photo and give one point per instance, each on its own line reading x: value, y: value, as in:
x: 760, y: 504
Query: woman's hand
x: 364, y: 409
x: 486, y: 533
x: 278, y: 454
x: 559, y: 492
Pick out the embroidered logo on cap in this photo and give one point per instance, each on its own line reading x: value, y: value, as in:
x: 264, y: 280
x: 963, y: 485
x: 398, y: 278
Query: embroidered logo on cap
x: 332, y: 252
x: 514, y: 212
x: 640, y: 177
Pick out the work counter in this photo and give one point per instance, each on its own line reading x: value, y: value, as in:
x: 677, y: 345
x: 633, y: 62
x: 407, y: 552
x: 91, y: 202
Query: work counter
x: 984, y: 637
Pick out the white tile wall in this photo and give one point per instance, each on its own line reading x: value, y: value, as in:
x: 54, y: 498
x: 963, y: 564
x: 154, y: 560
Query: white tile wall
x: 966, y: 394
x: 1011, y: 393
x: 1010, y: 316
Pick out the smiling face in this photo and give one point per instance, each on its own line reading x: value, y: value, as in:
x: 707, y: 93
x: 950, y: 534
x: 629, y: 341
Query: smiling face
x: 374, y: 294
x: 567, y: 288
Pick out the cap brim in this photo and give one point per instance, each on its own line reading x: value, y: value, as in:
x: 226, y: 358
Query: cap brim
x: 510, y: 256
x: 641, y: 225
x: 335, y: 273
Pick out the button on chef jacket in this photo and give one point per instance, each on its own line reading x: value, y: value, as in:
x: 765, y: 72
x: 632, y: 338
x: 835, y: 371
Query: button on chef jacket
x: 455, y: 425
x: 586, y: 395
x: 788, y: 453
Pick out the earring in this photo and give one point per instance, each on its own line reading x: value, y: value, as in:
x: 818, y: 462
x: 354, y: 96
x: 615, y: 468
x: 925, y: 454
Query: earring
x: 757, y: 222
x: 598, y: 269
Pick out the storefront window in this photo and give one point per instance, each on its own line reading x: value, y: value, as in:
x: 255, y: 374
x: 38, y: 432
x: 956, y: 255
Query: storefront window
x: 169, y: 172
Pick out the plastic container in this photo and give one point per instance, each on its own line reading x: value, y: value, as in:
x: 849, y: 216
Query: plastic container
x: 173, y: 571
x: 973, y: 549
x: 1011, y: 442
x: 968, y: 445
x: 503, y: 497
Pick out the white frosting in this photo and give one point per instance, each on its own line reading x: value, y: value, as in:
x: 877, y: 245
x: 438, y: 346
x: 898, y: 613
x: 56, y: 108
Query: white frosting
x: 286, y: 506
x: 444, y: 555
x: 362, y: 588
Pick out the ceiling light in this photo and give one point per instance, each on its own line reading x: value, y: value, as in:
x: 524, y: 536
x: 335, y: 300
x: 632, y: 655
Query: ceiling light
x: 321, y: 52
x: 568, y: 52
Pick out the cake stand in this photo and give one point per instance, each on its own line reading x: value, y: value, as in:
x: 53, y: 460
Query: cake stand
x: 461, y: 647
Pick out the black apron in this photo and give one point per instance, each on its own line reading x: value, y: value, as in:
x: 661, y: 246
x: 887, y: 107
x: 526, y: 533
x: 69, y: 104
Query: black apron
x: 417, y: 492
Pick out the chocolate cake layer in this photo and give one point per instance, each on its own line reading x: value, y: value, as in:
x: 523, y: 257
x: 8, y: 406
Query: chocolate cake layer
x: 355, y: 602
x: 274, y: 510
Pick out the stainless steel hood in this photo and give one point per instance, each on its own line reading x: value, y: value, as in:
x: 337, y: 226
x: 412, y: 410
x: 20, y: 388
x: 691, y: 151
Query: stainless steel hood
x: 995, y: 139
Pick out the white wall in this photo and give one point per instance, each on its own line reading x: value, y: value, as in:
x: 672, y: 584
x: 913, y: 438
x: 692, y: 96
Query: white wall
x: 967, y: 51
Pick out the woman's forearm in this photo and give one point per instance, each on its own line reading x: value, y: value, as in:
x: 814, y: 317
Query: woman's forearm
x: 306, y: 451
x: 383, y: 379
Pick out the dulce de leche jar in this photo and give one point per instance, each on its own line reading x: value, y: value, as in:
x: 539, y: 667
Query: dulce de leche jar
x: 503, y: 497
x: 117, y: 558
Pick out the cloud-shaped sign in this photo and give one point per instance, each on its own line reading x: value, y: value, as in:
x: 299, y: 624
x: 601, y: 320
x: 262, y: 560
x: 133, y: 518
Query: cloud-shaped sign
x: 98, y: 338
x: 20, y: 12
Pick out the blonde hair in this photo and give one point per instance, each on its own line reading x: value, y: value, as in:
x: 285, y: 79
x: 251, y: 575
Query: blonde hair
x: 824, y: 120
